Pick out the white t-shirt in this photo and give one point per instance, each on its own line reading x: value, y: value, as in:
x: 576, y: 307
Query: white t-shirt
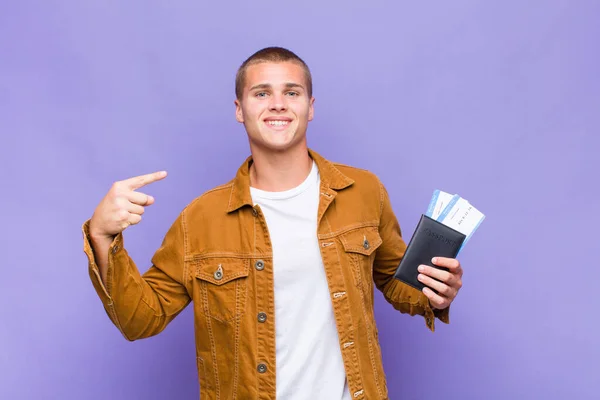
x: 308, y: 356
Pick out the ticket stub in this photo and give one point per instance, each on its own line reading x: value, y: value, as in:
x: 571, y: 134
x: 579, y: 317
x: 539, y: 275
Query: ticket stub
x: 462, y: 216
x: 439, y: 201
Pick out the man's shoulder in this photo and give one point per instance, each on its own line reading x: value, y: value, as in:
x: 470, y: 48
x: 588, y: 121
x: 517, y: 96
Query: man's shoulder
x: 217, y: 196
x: 358, y: 175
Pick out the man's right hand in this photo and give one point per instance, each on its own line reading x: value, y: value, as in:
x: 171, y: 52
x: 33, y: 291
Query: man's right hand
x: 121, y: 207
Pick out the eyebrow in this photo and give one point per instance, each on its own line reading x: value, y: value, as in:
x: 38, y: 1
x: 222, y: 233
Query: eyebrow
x: 288, y: 85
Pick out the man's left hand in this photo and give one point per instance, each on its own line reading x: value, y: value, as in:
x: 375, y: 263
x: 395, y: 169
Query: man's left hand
x: 446, y: 283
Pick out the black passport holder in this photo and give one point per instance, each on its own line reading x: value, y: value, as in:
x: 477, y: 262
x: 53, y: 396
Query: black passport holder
x: 430, y: 239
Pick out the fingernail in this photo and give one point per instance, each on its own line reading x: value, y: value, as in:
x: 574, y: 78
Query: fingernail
x: 434, y: 260
x: 420, y: 277
x: 421, y: 268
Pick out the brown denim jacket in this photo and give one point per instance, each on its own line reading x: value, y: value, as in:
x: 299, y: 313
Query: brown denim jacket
x: 218, y: 254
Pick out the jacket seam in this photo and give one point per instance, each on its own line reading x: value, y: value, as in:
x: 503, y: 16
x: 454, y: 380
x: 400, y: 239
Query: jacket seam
x: 111, y: 305
x: 157, y: 314
x: 185, y: 272
x: 230, y: 196
x: 381, y: 199
x: 213, y: 347
x: 113, y: 311
x: 369, y: 330
x: 200, y: 257
x: 236, y: 354
x: 339, y: 164
x: 358, y: 384
x: 215, y: 189
x: 256, y: 345
x: 143, y: 299
x: 366, y: 224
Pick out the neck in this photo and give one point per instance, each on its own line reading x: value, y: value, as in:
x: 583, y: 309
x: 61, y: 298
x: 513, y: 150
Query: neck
x: 279, y: 171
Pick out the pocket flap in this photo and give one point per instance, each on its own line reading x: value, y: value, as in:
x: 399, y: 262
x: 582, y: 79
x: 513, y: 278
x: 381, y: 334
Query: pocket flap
x: 219, y: 271
x: 362, y: 240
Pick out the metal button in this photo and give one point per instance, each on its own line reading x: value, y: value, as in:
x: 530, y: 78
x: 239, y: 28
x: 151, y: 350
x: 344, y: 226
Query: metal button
x: 115, y: 249
x: 366, y: 244
x: 262, y: 317
x: 254, y: 212
x: 259, y: 265
x: 262, y: 368
x: 218, y: 273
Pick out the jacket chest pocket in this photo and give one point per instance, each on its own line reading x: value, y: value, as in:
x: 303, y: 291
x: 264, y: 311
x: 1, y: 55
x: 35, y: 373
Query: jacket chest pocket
x: 360, y: 246
x: 221, y: 287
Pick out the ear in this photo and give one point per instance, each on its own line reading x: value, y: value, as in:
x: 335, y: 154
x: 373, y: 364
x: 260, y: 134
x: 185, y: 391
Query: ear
x: 311, y: 108
x: 239, y: 114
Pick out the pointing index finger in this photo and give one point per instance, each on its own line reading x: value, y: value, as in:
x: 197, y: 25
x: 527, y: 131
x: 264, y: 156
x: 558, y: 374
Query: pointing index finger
x: 143, y: 180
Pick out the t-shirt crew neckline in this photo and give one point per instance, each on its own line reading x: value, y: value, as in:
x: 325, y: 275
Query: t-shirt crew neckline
x: 311, y: 179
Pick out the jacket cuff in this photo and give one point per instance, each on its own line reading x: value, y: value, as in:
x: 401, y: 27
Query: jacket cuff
x: 443, y: 315
x: 103, y: 289
x: 432, y: 313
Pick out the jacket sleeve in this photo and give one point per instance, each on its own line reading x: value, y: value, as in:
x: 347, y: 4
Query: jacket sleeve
x: 403, y: 297
x: 141, y: 306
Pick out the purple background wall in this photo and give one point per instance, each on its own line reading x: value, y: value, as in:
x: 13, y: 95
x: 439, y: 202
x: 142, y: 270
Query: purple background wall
x: 497, y: 102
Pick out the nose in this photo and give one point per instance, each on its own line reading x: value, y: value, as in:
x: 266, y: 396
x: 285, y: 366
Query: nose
x: 277, y: 102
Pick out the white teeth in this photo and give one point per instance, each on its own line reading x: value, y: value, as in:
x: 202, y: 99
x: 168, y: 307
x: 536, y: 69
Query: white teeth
x: 277, y: 123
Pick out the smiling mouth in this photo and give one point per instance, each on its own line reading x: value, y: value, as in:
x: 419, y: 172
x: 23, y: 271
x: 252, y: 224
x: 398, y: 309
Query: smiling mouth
x: 277, y: 123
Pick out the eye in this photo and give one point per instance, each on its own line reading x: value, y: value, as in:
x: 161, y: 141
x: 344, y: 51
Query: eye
x: 293, y: 94
x: 261, y: 94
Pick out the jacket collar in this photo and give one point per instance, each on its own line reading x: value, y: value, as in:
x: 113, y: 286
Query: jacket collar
x: 331, y: 177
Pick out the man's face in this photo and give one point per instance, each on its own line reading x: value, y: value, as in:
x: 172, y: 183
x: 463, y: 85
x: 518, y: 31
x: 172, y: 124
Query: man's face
x: 275, y: 107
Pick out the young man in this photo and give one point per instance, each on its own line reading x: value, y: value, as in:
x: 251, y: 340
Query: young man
x: 280, y: 262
